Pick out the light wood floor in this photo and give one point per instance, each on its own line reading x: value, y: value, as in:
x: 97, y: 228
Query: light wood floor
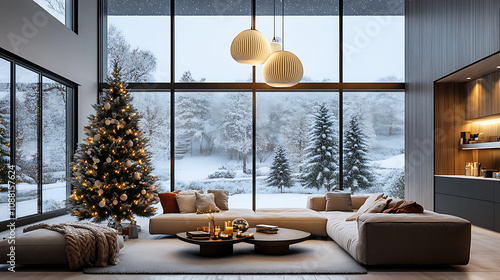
x: 484, y: 265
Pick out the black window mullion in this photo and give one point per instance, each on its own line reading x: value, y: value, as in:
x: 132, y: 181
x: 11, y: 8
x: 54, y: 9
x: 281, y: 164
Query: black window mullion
x: 341, y: 95
x: 40, y: 142
x: 172, y: 95
x: 13, y: 132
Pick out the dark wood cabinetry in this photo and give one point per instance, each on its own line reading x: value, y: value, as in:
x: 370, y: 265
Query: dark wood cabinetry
x: 473, y: 199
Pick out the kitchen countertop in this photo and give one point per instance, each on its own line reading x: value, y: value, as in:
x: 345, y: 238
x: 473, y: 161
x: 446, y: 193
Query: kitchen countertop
x: 468, y: 177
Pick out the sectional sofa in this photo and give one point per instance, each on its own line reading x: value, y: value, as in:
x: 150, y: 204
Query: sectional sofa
x: 425, y: 238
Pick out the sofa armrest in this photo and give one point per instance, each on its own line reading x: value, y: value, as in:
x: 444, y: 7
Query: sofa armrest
x: 425, y: 238
x: 316, y: 202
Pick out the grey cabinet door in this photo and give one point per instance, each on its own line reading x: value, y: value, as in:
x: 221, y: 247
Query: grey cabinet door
x: 478, y: 189
x: 497, y: 217
x: 480, y: 213
x: 448, y: 204
x: 444, y: 185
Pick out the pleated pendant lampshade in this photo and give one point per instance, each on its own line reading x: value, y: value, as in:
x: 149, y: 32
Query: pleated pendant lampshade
x: 250, y: 47
x: 275, y: 47
x: 282, y: 69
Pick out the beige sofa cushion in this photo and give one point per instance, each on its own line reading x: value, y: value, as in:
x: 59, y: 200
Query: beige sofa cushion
x: 343, y: 233
x: 379, y: 205
x: 221, y: 198
x: 338, y: 201
x: 293, y: 218
x: 316, y: 202
x: 205, y: 203
x: 368, y: 203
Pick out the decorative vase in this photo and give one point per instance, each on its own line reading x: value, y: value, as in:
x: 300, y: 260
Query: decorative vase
x: 211, y: 228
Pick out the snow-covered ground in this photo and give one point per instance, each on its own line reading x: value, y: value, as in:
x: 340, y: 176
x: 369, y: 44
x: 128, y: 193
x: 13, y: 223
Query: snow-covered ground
x: 27, y: 198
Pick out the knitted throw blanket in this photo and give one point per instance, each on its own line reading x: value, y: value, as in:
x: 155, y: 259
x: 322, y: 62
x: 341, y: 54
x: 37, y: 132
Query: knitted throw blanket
x: 86, y: 244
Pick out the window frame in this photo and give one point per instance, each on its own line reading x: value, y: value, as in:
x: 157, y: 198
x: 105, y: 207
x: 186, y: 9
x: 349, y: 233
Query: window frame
x: 338, y: 87
x: 71, y: 131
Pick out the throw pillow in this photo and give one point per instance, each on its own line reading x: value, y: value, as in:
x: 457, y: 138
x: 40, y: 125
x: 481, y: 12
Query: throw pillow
x: 168, y: 202
x: 205, y: 203
x: 186, y: 200
x: 407, y: 207
x: 368, y: 203
x: 187, y: 203
x: 395, y: 202
x: 338, y: 201
x: 379, y: 205
x: 221, y: 198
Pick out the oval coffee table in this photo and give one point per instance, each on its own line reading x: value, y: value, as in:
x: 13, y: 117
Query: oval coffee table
x: 212, y: 248
x: 276, y: 243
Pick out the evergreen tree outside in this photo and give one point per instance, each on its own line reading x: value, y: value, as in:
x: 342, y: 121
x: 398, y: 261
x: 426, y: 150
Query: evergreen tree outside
x: 236, y: 127
x: 281, y: 174
x: 322, y: 154
x: 397, y: 184
x: 357, y: 172
x: 112, y: 170
x: 192, y: 115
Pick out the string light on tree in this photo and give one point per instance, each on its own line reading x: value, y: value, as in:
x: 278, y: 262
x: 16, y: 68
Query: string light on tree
x: 112, y: 169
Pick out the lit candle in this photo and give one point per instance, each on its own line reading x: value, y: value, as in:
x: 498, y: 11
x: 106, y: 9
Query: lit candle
x: 229, y: 228
x: 217, y: 230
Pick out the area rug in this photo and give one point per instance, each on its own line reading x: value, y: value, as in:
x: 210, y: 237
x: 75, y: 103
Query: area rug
x: 172, y: 256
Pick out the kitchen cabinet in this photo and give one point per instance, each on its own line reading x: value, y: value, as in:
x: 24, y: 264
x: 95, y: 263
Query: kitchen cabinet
x: 474, y: 199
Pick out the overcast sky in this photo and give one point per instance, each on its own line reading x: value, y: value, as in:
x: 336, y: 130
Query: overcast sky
x: 374, y: 46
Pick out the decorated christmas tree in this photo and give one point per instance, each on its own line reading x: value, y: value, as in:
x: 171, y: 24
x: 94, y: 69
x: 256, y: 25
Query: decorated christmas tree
x: 112, y: 176
x: 281, y: 174
x: 357, y: 173
x: 321, y: 168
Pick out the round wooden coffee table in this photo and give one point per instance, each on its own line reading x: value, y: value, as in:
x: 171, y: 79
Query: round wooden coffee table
x: 278, y: 243
x: 212, y: 248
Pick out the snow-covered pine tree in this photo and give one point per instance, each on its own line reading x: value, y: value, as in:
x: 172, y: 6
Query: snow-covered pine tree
x: 112, y: 170
x: 4, y: 143
x: 281, y: 174
x: 322, y: 155
x: 236, y: 127
x: 192, y: 110
x: 357, y: 172
x: 396, y: 182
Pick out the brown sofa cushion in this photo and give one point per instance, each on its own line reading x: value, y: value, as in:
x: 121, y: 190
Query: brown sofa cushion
x: 168, y: 202
x: 338, y: 201
x: 406, y: 207
x: 221, y: 198
x: 395, y: 202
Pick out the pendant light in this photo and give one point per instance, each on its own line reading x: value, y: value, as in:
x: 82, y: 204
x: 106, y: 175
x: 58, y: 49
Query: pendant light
x: 283, y: 68
x: 250, y: 47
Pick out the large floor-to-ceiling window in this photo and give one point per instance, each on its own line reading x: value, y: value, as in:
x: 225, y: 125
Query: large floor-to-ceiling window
x: 213, y: 124
x: 36, y: 140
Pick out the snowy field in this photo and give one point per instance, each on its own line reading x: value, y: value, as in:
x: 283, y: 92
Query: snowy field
x: 27, y: 200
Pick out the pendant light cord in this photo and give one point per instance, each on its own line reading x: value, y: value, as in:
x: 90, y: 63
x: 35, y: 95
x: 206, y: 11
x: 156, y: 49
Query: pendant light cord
x: 283, y: 25
x: 274, y: 21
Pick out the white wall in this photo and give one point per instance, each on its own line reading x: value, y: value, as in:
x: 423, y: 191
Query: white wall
x: 30, y: 32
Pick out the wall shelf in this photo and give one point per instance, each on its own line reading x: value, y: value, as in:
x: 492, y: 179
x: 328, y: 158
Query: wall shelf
x: 480, y: 146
